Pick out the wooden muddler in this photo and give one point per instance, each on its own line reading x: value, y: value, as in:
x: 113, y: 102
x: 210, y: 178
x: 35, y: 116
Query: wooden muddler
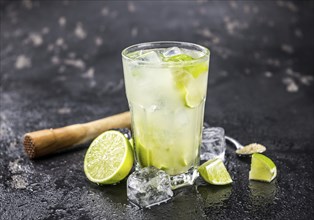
x: 44, y: 142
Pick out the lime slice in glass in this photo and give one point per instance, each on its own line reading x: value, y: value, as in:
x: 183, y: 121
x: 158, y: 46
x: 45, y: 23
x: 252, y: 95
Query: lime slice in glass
x: 178, y: 58
x: 188, y: 80
x: 215, y: 172
x: 193, y: 95
x: 109, y: 158
x: 197, y: 69
x: 262, y: 168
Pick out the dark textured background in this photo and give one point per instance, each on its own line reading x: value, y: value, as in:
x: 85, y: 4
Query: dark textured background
x: 61, y: 64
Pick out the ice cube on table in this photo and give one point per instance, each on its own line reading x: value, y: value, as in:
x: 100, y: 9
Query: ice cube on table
x: 148, y: 187
x: 213, y: 143
x: 172, y: 51
x: 150, y: 56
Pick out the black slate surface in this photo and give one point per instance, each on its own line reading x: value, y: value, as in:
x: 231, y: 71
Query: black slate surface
x: 61, y: 64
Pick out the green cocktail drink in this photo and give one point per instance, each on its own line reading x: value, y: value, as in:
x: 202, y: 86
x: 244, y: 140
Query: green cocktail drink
x: 166, y: 86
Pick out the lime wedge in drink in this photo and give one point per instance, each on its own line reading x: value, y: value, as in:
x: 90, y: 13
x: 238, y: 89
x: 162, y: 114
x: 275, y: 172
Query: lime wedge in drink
x: 215, y: 172
x: 187, y: 79
x: 193, y: 95
x: 109, y: 158
x: 262, y: 168
x: 178, y: 58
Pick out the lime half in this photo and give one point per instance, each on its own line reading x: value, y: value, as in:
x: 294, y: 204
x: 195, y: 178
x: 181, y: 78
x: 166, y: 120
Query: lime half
x: 262, y: 168
x: 109, y: 158
x: 215, y: 172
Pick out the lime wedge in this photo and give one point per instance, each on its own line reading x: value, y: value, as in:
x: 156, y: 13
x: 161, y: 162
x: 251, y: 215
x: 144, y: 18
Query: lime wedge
x: 193, y: 95
x: 187, y: 79
x: 215, y: 172
x: 262, y: 168
x: 197, y: 69
x: 109, y: 158
x: 194, y: 69
x: 178, y: 58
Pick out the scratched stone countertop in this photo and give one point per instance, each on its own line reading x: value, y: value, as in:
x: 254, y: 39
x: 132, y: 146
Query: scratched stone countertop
x: 61, y: 64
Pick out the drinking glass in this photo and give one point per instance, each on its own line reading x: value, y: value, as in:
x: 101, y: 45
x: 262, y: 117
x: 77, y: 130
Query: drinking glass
x: 166, y: 85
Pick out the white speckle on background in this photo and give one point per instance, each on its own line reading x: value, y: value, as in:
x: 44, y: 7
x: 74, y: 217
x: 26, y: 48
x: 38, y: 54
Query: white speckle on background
x: 61, y: 78
x: 280, y: 3
x: 60, y: 42
x: 114, y: 14
x: 306, y: 80
x: 298, y: 33
x: 15, y: 167
x: 62, y: 21
x: 233, y: 25
x: 287, y: 48
x: 287, y: 4
x: 105, y: 11
x: 247, y: 71
x: 45, y: 30
x: 22, y: 62
x: 255, y: 9
x: 131, y: 7
x: 290, y: 72
x: 89, y: 74
x: 265, y: 39
x: 61, y: 69
x: 268, y: 74
x: 98, y: 41
x: 203, y: 11
x: 224, y: 73
x: 75, y: 63
x: 134, y: 32
x: 271, y: 23
x: 80, y: 32
x: 72, y: 55
x: 50, y: 47
x: 64, y: 110
x: 291, y: 6
x: 200, y: 1
x: 233, y: 4
x: 27, y: 4
x: 17, y: 33
x: 208, y: 34
x: 195, y: 23
x: 291, y: 85
x: 224, y: 52
x: 36, y: 39
x: 92, y: 83
x: 5, y: 125
x: 112, y: 87
x: 13, y: 144
x: 273, y: 62
x: 19, y: 182
x: 55, y: 60
x: 246, y: 9
x: 257, y: 55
